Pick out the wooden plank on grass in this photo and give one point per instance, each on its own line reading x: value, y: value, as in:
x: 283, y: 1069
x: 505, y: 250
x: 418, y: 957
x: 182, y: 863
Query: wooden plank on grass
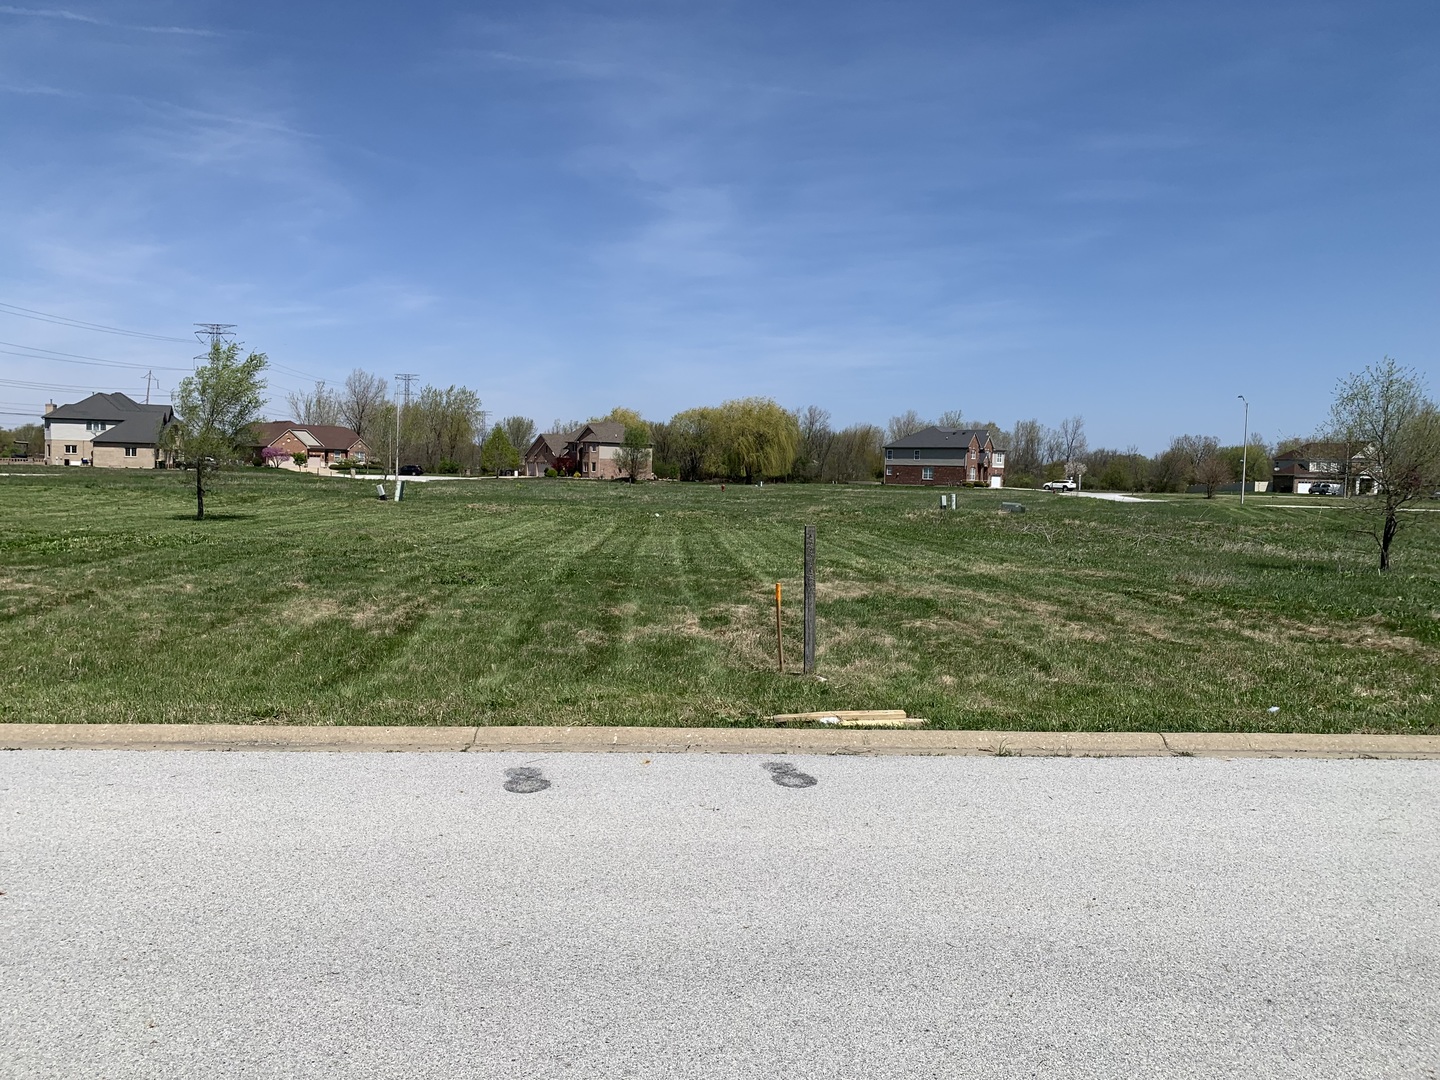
x: 839, y: 714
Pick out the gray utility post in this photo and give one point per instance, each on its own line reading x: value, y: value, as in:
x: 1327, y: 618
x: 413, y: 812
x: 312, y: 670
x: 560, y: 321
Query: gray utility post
x: 1244, y: 448
x: 809, y: 599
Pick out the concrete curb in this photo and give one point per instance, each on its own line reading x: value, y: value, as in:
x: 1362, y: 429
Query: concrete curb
x: 657, y: 740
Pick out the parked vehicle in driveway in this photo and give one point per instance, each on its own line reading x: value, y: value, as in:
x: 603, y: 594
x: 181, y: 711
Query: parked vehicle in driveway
x: 1325, y: 488
x: 1060, y: 485
x: 411, y: 470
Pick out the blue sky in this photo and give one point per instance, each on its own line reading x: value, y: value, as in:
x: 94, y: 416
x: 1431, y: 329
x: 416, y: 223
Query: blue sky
x: 1130, y: 211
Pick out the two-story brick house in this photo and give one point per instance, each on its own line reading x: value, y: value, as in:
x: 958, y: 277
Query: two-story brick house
x: 1300, y: 467
x: 592, y: 450
x: 945, y: 457
x: 109, y: 430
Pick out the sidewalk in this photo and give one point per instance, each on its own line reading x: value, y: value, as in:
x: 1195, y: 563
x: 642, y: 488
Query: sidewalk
x: 659, y: 740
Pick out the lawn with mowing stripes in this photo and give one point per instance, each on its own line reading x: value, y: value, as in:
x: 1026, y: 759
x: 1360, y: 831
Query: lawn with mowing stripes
x: 303, y: 600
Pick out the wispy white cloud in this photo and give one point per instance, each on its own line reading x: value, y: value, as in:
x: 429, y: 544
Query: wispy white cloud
x: 64, y: 15
x: 44, y: 91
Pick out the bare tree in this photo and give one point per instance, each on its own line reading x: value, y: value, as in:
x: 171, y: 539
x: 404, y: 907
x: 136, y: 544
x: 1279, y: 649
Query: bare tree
x: 1026, y: 446
x: 1385, y: 412
x: 856, y: 454
x: 1052, y: 446
x: 951, y: 419
x: 1212, y: 470
x: 321, y: 406
x: 907, y: 423
x: 1073, y: 443
x: 816, y: 439
x: 362, y: 402
x: 520, y: 430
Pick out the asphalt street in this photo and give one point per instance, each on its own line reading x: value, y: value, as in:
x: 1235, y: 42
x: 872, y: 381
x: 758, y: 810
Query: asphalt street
x: 611, y: 915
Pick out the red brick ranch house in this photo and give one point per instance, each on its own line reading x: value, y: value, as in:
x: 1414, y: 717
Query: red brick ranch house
x: 946, y: 458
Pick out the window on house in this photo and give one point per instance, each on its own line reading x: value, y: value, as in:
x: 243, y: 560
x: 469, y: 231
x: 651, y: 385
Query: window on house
x: 889, y: 471
x: 927, y: 473
x: 96, y: 425
x: 997, y: 460
x: 917, y: 455
x: 70, y: 448
x: 972, y: 472
x: 889, y: 455
x: 131, y: 451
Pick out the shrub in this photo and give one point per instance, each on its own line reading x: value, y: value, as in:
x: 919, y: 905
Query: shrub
x: 448, y: 467
x: 300, y: 458
x: 551, y: 472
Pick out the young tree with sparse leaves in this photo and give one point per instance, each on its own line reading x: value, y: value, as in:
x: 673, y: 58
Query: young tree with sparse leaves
x: 214, y: 410
x: 1385, y: 413
x: 633, y: 458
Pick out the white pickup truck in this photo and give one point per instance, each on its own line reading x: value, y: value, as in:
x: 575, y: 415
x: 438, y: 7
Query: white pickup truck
x: 1060, y: 485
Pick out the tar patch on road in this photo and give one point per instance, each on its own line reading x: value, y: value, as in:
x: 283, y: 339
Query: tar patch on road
x: 787, y: 775
x: 525, y: 781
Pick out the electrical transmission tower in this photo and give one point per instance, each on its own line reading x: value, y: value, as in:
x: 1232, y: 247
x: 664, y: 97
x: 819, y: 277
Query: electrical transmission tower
x: 216, y: 332
x: 406, y: 378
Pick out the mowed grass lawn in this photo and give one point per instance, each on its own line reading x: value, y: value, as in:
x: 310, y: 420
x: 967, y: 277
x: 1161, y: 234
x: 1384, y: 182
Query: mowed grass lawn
x: 541, y: 602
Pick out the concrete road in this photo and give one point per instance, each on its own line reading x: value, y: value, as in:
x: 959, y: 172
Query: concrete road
x: 404, y: 915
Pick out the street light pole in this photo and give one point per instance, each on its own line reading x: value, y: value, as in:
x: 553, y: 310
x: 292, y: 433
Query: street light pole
x: 1244, y: 448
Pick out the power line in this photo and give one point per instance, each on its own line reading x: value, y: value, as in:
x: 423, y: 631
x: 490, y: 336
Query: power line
x: 80, y: 324
x: 34, y: 352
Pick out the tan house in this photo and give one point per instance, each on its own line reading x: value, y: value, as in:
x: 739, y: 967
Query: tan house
x: 592, y: 451
x: 109, y: 430
x: 321, y: 444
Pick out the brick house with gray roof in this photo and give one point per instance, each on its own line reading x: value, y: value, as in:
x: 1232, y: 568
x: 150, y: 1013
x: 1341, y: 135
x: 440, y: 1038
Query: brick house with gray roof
x: 945, y: 457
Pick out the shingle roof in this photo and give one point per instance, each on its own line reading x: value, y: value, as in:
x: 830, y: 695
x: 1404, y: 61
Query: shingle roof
x: 318, y: 436
x: 110, y: 407
x: 553, y: 442
x: 933, y: 438
x: 142, y: 430
x: 602, y: 431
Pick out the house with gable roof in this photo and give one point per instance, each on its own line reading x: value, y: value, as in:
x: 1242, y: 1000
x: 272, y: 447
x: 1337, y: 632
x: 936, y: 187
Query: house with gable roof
x: 108, y: 430
x: 322, y: 444
x: 947, y: 457
x: 592, y: 450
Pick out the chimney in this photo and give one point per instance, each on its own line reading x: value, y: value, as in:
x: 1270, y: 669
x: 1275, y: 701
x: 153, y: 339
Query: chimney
x: 49, y: 407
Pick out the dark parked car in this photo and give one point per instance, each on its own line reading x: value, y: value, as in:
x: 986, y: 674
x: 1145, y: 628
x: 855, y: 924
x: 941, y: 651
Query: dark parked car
x: 411, y: 470
x: 1325, y: 488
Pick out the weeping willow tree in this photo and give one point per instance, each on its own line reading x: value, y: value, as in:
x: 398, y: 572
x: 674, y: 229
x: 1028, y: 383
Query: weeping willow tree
x: 758, y: 438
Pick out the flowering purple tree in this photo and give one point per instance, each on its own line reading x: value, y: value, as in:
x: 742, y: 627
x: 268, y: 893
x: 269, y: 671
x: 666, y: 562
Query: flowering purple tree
x: 271, y: 455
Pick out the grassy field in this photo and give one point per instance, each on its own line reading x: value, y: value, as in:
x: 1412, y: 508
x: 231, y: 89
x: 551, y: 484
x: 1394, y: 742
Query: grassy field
x: 307, y: 601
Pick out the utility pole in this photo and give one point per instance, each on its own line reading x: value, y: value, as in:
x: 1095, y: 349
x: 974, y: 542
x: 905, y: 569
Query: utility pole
x: 406, y: 378
x: 148, y: 376
x: 1244, y: 448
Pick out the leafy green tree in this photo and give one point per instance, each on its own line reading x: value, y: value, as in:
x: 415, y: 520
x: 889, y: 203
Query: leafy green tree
x: 520, y: 430
x: 214, y: 409
x: 619, y: 415
x: 1385, y: 413
x: 496, y: 453
x: 694, y: 437
x: 758, y: 438
x: 634, y: 456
